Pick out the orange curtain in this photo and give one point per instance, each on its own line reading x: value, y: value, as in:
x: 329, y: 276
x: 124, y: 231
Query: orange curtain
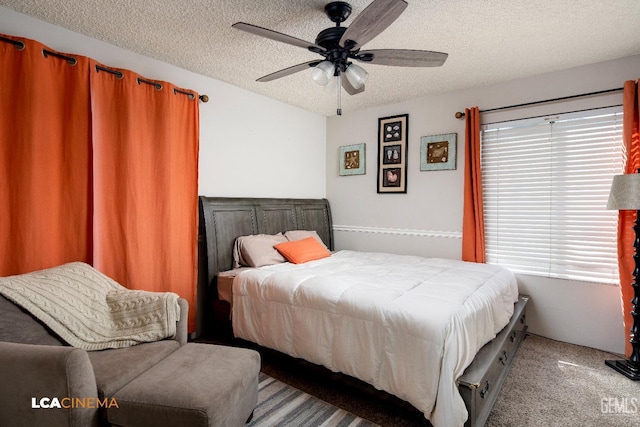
x: 145, y: 151
x: 45, y: 146
x: 473, y: 248
x: 626, y: 219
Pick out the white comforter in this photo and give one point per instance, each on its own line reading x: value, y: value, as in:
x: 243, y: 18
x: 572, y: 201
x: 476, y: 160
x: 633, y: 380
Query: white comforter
x: 404, y: 324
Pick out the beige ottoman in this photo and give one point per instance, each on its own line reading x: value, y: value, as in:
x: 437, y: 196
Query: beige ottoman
x: 197, y: 385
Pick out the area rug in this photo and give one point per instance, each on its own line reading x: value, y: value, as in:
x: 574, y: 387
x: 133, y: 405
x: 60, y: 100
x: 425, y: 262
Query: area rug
x: 282, y: 405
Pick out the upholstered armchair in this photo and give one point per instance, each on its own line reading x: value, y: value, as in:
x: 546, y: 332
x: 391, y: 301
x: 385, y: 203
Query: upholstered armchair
x: 47, y: 382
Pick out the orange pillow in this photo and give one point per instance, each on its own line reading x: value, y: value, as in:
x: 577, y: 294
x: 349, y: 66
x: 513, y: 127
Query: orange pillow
x: 301, y: 251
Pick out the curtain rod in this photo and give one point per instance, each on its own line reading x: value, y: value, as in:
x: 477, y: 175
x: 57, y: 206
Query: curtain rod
x: 460, y: 114
x: 18, y: 44
x: 158, y: 86
x: 72, y: 61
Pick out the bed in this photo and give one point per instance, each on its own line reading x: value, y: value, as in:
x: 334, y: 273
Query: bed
x: 382, y: 318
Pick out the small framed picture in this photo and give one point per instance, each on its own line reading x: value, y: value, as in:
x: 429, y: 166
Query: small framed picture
x: 352, y: 160
x: 391, y: 177
x: 438, y: 152
x: 392, y: 154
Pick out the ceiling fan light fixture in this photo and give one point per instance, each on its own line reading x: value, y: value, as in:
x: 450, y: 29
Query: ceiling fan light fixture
x: 356, y: 75
x: 323, y: 72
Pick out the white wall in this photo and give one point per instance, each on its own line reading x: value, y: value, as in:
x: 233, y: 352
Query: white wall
x: 428, y: 219
x: 250, y: 145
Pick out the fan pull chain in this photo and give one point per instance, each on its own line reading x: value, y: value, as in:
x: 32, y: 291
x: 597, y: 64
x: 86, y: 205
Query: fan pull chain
x: 339, y: 89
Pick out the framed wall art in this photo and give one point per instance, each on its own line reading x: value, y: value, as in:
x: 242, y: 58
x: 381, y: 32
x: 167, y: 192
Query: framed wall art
x: 352, y: 160
x: 438, y: 152
x: 392, y: 154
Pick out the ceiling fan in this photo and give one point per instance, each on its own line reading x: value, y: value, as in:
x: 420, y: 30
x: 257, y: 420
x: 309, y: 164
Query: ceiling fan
x: 341, y: 45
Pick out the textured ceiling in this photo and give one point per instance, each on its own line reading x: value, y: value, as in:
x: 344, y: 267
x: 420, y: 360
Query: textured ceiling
x: 488, y: 41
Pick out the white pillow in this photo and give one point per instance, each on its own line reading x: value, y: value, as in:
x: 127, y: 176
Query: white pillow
x: 293, y: 235
x: 257, y: 250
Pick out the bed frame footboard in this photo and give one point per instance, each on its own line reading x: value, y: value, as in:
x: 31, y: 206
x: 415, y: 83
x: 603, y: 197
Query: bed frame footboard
x: 482, y: 380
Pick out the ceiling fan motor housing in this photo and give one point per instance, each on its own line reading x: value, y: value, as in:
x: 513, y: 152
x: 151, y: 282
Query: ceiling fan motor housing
x: 337, y: 11
x: 330, y: 40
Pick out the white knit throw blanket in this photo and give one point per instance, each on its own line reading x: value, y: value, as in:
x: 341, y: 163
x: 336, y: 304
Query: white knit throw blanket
x: 91, y: 311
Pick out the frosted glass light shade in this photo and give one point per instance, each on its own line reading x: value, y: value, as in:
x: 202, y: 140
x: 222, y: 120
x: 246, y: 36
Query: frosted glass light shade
x: 625, y: 192
x: 356, y: 75
x: 323, y: 72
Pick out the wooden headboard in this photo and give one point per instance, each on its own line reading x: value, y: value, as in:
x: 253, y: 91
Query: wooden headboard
x: 223, y: 219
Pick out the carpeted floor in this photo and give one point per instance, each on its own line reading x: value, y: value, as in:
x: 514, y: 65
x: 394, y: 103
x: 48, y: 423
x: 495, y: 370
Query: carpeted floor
x: 553, y: 383
x: 550, y: 384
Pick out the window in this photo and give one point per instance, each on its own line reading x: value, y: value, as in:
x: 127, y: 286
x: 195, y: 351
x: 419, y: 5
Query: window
x: 546, y: 183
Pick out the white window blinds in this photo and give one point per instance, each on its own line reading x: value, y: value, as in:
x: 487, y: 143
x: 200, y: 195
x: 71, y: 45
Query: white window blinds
x: 546, y: 183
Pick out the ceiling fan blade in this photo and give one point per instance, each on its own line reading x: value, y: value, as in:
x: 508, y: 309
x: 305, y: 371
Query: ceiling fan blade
x: 373, y: 20
x: 348, y: 87
x: 287, y: 71
x: 403, y: 57
x: 274, y: 35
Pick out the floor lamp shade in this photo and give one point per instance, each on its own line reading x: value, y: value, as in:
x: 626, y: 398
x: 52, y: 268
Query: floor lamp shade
x: 625, y: 195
